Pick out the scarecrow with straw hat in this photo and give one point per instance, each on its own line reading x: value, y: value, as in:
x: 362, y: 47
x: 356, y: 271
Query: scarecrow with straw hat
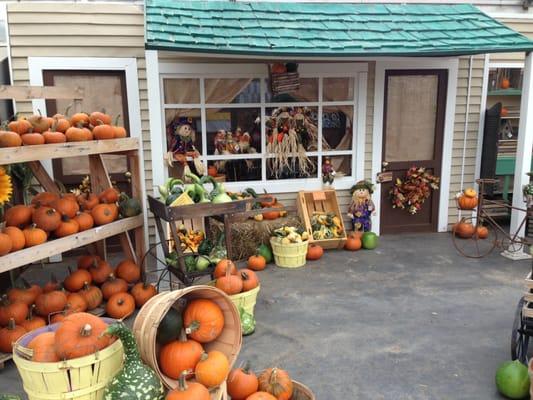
x: 180, y: 136
x: 362, y: 207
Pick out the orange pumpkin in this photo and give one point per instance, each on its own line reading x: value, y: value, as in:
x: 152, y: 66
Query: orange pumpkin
x: 67, y: 227
x: 10, y: 139
x: 31, y: 139
x: 467, y: 203
x: 85, y: 221
x: 52, y: 284
x: 51, y: 302
x: 92, y: 295
x: 104, y: 214
x: 229, y: 284
x: 120, y: 305
x: 10, y: 335
x: 113, y: 286
x: 33, y: 321
x: 98, y: 118
x: 19, y: 215
x: 222, y: 268
x: 20, y: 126
x: 120, y: 132
x: 103, y: 132
x: 34, y: 236
x: 129, y: 271
x: 87, y: 261
x: 44, y: 199
x: 18, y: 241
x: 100, y: 271
x: 277, y: 382
x: 505, y: 83
x: 110, y: 195
x: 278, y: 68
x: 271, y: 215
x: 188, y: 391
x: 66, y: 206
x: 142, y: 292
x: 43, y: 347
x: 249, y: 279
x: 79, y: 119
x: 61, y: 124
x: 25, y: 294
x: 256, y: 263
x: 39, y: 123
x: 75, y: 134
x: 470, y: 192
x: 46, y: 218
x: 212, y: 369
x: 203, y: 320
x: 12, y: 310
x: 6, y: 244
x: 79, y: 335
x: 212, y: 171
x: 88, y: 201
x: 179, y: 356
x: 261, y: 396
x: 314, y: 252
x: 353, y: 242
x: 464, y: 229
x: 482, y: 232
x: 76, y: 302
x: 242, y: 382
x: 77, y: 279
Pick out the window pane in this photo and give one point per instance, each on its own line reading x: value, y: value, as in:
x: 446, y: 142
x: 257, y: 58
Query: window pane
x: 292, y: 169
x: 337, y: 128
x: 296, y: 126
x: 307, y: 92
x: 233, y: 131
x: 411, y: 116
x: 342, y: 165
x: 220, y: 91
x: 238, y: 170
x: 188, y: 122
x: 181, y: 91
x: 338, y: 89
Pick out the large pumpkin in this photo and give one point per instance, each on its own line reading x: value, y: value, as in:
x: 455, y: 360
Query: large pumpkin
x: 222, y: 267
x: 46, y: 218
x: 12, y: 310
x: 229, y: 284
x: 212, y: 369
x: 178, y: 356
x: 9, y: 335
x: 464, y: 229
x: 19, y: 215
x: 79, y: 335
x: 104, y: 213
x: 43, y: 347
x: 50, y: 302
x: 120, y: 305
x: 242, y: 382
x: 277, y: 382
x: 188, y: 391
x: 129, y: 271
x: 203, y: 320
x: 467, y: 203
x: 314, y: 252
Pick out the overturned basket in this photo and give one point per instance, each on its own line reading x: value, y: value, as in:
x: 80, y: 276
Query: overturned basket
x: 301, y: 392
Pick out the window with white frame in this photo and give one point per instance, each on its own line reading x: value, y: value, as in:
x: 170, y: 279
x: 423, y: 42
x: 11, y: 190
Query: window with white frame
x: 237, y: 122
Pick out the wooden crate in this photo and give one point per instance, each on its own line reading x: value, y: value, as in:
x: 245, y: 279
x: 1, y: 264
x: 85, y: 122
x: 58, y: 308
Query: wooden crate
x: 321, y: 201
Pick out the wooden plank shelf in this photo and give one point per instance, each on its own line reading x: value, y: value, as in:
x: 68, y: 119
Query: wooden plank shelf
x: 57, y: 246
x: 505, y: 92
x: 11, y: 155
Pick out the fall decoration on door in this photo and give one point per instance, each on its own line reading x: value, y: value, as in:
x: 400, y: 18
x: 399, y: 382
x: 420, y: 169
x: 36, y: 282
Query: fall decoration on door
x: 411, y: 192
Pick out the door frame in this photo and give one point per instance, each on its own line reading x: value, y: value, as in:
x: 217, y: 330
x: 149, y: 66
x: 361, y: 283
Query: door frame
x: 450, y: 64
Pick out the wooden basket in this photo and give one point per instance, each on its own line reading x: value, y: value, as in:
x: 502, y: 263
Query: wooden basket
x: 147, y: 322
x: 301, y: 392
x: 289, y: 255
x: 78, y: 379
x: 245, y: 300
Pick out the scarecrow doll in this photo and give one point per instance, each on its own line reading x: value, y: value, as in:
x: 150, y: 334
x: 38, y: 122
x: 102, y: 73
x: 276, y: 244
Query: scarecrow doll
x: 362, y: 207
x: 181, y: 138
x: 328, y: 172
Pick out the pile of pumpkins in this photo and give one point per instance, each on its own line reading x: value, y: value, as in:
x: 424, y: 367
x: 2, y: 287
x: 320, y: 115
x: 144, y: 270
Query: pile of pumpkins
x: 271, y: 384
x: 52, y: 215
x: 465, y: 230
x: 233, y: 281
x: 80, y: 127
x: 182, y: 336
x: 269, y: 201
x: 26, y: 308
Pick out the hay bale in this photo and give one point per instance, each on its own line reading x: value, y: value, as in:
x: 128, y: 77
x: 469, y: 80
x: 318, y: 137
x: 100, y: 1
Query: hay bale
x: 248, y: 234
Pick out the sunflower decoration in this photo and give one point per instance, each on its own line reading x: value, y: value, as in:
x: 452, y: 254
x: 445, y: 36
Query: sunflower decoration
x: 6, y: 187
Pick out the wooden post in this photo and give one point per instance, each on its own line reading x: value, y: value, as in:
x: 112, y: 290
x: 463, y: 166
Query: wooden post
x: 523, y: 154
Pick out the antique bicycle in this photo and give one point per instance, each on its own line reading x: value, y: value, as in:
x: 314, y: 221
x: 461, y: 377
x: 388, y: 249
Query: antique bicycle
x: 477, y: 235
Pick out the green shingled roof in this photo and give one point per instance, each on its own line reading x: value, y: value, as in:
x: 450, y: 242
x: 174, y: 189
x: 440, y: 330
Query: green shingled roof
x: 326, y: 29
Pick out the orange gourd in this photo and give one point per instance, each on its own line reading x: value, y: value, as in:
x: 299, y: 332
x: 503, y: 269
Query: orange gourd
x: 33, y: 321
x: 203, y: 320
x: 31, y: 139
x: 19, y: 215
x: 100, y: 271
x: 75, y: 134
x: 112, y: 286
x: 79, y: 119
x: 98, y: 118
x: 6, y: 244
x: 39, y: 123
x: 482, y: 232
x: 44, y: 198
x: 256, y: 263
x: 110, y: 195
x: 277, y: 382
x: 212, y: 369
x: 87, y: 261
x: 104, y: 214
x: 120, y: 131
x: 18, y: 241
x: 46, y: 218
x: 467, y: 203
x: 92, y: 295
x: 129, y: 271
x: 120, y: 305
x: 229, y: 284
x: 314, y: 252
x: 79, y: 335
x: 77, y: 279
x: 25, y: 294
x: 464, y: 229
x: 34, y: 236
x: 104, y: 132
x: 261, y: 396
x: 88, y: 201
x: 61, y: 124
x: 142, y: 292
x: 249, y: 279
x: 20, y: 126
x: 353, y: 242
x: 10, y: 139
x: 212, y: 171
x: 505, y: 84
x: 9, y: 335
x: 66, y: 206
x: 188, y: 391
x: 51, y: 302
x: 76, y: 302
x: 43, y: 347
x: 54, y: 137
x: 178, y: 356
x: 222, y: 267
x: 242, y: 382
x: 12, y: 310
x: 85, y: 221
x: 67, y: 227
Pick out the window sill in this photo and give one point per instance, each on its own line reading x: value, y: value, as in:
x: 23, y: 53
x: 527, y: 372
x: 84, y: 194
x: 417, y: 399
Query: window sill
x: 289, y: 185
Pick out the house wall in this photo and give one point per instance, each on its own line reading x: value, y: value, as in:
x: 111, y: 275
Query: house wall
x: 79, y: 30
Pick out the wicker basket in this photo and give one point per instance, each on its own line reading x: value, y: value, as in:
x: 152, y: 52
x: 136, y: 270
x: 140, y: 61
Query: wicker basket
x: 81, y: 378
x: 301, y: 392
x: 147, y: 322
x: 289, y: 255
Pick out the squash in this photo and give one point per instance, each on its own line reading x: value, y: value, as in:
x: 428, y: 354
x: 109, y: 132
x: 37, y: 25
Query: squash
x: 135, y: 381
x: 32, y: 139
x: 85, y: 221
x: 170, y: 327
x: 142, y: 292
x: 179, y: 356
x: 256, y: 263
x: 222, y: 268
x: 100, y: 271
x: 51, y: 302
x: 12, y: 310
x: 10, y: 335
x: 104, y: 213
x: 18, y: 241
x: 10, y: 139
x: 230, y: 284
x: 129, y: 271
x: 188, y: 391
x: 128, y: 207
x: 265, y: 251
x: 34, y: 236
x: 43, y: 348
x: 249, y: 279
x: 314, y: 252
x: 120, y: 305
x: 113, y: 285
x: 277, y: 382
x: 19, y: 215
x: 212, y: 369
x: 6, y: 244
x: 77, y: 279
x: 66, y: 206
x: 242, y: 382
x: 46, y: 218
x: 92, y: 295
x: 79, y: 335
x: 203, y: 320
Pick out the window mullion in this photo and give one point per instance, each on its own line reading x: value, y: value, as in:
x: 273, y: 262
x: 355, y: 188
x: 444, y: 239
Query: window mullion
x: 262, y: 90
x: 203, y: 115
x: 319, y: 139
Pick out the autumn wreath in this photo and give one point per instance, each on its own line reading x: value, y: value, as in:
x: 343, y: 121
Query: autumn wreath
x: 411, y: 192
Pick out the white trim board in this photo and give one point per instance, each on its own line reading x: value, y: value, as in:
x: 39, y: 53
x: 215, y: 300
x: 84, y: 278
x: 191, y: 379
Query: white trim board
x: 452, y: 65
x: 36, y: 66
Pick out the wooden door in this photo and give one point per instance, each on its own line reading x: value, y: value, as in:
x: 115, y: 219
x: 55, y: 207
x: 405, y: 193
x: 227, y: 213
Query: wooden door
x: 413, y: 130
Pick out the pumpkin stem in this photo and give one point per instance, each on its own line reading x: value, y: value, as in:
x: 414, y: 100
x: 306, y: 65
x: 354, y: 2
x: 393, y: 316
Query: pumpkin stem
x: 245, y: 275
x: 204, y: 356
x: 67, y: 109
x: 31, y: 312
x: 25, y: 283
x: 11, y: 324
x: 117, y: 119
x: 193, y: 327
x: 182, y: 387
x: 86, y: 330
x: 120, y: 302
x: 247, y: 367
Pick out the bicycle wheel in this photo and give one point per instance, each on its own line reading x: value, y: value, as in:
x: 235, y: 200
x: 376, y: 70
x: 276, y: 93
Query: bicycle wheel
x: 513, y: 246
x: 476, y: 244
x: 520, y: 349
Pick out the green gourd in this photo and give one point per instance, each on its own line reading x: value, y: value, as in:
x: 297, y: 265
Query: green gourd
x: 9, y: 397
x: 170, y: 327
x: 266, y: 252
x: 129, y: 207
x: 136, y: 381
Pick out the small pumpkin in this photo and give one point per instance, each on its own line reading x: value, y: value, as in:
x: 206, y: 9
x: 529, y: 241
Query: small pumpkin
x: 20, y: 126
x: 66, y: 206
x: 261, y: 396
x: 142, y: 292
x: 314, y: 252
x: 33, y: 321
x: 76, y: 302
x: 268, y: 201
x: 77, y: 279
x: 278, y: 68
x: 242, y: 382
x: 505, y: 83
x: 203, y: 320
x: 353, y: 242
x: 34, y: 236
x: 67, y: 227
x: 9, y: 335
x: 44, y: 199
x: 88, y: 201
x: 87, y: 261
x: 19, y: 215
x: 25, y: 294
x: 482, y: 232
x: 75, y: 134
x: 113, y: 286
x: 98, y: 117
x: 52, y: 284
x: 32, y: 139
x: 92, y: 295
x: 249, y: 279
x: 212, y: 171
x: 12, y: 310
x: 104, y: 132
x: 61, y: 124
x: 79, y: 335
x: 179, y: 356
x: 222, y: 267
x: 104, y: 214
x: 188, y: 391
x: 110, y: 195
x: 100, y: 271
x: 43, y: 346
x: 80, y: 119
x: 470, y: 192
x: 60, y: 316
x: 212, y: 369
x: 39, y: 123
x: 120, y: 305
x: 10, y: 139
x: 51, y: 302
x: 46, y: 218
x: 120, y: 131
x: 85, y: 220
x: 128, y: 270
x: 256, y: 263
x: 467, y: 203
x: 18, y: 241
x: 6, y: 244
x: 464, y: 229
x: 54, y: 137
x: 229, y: 284
x: 277, y: 382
